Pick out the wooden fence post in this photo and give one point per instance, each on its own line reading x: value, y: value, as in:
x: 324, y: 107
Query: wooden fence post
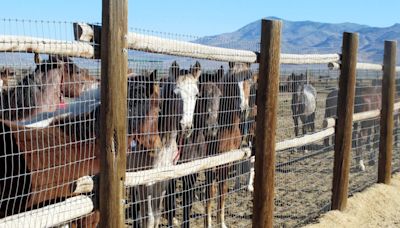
x: 267, y: 106
x: 113, y: 113
x: 388, y: 93
x: 344, y: 122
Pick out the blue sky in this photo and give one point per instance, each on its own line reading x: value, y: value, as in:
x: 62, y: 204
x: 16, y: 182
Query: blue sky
x: 208, y: 17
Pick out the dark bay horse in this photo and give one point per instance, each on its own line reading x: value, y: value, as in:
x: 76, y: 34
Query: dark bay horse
x: 197, y: 145
x: 367, y: 98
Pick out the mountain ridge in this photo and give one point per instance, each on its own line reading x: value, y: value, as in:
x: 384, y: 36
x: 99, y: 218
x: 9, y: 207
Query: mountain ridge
x: 311, y: 37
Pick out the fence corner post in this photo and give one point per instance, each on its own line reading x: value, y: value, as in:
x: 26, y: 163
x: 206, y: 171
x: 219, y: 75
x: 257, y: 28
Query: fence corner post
x: 386, y: 128
x: 113, y: 113
x: 344, y: 122
x: 267, y: 106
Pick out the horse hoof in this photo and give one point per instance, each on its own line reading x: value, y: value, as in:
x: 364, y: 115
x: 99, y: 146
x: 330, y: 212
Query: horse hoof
x: 361, y: 166
x: 175, y: 222
x: 250, y: 188
x: 371, y: 162
x: 223, y: 225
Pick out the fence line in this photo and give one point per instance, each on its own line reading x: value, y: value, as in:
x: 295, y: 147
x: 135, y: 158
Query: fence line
x: 154, y: 44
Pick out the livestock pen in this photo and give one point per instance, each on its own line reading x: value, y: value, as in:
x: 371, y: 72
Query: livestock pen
x: 176, y: 134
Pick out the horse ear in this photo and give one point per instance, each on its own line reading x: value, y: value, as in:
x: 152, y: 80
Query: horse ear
x: 231, y: 65
x: 151, y: 86
x: 220, y: 73
x: 37, y: 58
x: 174, y: 70
x: 196, y: 70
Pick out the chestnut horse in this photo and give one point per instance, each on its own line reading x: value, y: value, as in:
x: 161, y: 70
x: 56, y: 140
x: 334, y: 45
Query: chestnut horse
x: 234, y: 101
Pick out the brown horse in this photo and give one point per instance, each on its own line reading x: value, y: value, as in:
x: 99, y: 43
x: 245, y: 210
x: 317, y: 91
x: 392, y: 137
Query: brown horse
x: 144, y: 142
x: 234, y: 102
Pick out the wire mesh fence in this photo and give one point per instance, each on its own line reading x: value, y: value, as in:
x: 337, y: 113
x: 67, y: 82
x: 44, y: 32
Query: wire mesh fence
x: 364, y: 163
x: 47, y: 135
x: 191, y: 132
x: 196, y: 109
x: 304, y: 173
x: 396, y: 129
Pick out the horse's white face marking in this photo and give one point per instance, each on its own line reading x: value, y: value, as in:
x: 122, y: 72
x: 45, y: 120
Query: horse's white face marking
x: 244, y: 100
x: 1, y: 85
x: 186, y: 87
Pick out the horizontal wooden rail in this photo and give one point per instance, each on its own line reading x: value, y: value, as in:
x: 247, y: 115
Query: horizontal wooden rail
x: 304, y: 140
x: 51, y: 215
x: 45, y: 46
x: 154, y: 44
x: 85, y: 184
x: 166, y: 173
x: 334, y: 65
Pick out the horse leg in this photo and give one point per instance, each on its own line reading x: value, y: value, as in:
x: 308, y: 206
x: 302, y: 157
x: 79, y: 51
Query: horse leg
x: 170, y: 202
x: 188, y: 196
x: 359, y: 149
x: 210, y: 193
x: 371, y: 142
x: 159, y: 191
x: 143, y: 202
x: 133, y: 209
x: 296, y: 125
x: 223, y: 191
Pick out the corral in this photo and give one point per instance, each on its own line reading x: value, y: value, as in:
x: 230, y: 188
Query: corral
x: 179, y: 116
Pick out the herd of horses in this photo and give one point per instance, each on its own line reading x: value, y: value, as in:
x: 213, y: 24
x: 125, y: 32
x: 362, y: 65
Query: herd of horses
x: 173, y: 118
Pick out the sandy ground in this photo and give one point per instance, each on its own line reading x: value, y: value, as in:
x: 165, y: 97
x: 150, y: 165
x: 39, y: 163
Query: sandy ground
x: 377, y: 206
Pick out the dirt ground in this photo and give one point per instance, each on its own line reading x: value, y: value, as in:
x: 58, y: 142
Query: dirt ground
x: 377, y: 206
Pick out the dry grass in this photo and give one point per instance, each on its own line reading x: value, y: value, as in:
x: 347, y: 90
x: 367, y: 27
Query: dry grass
x: 378, y: 206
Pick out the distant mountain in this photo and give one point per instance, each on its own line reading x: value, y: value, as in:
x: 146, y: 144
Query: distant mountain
x: 312, y: 37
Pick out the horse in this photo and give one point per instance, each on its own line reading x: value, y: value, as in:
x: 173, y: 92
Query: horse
x: 366, y: 99
x: 40, y: 91
x: 248, y: 128
x: 234, y: 102
x: 143, y: 108
x: 5, y: 74
x: 178, y: 98
x: 304, y: 103
x: 197, y: 145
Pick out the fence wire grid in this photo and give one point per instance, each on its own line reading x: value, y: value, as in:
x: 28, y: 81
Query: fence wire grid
x: 191, y: 135
x: 47, y: 130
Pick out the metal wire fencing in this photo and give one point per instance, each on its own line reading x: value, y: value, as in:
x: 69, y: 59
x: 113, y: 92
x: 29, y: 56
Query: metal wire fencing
x: 192, y: 111
x: 396, y: 129
x: 364, y: 163
x: 304, y: 171
x: 47, y: 131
